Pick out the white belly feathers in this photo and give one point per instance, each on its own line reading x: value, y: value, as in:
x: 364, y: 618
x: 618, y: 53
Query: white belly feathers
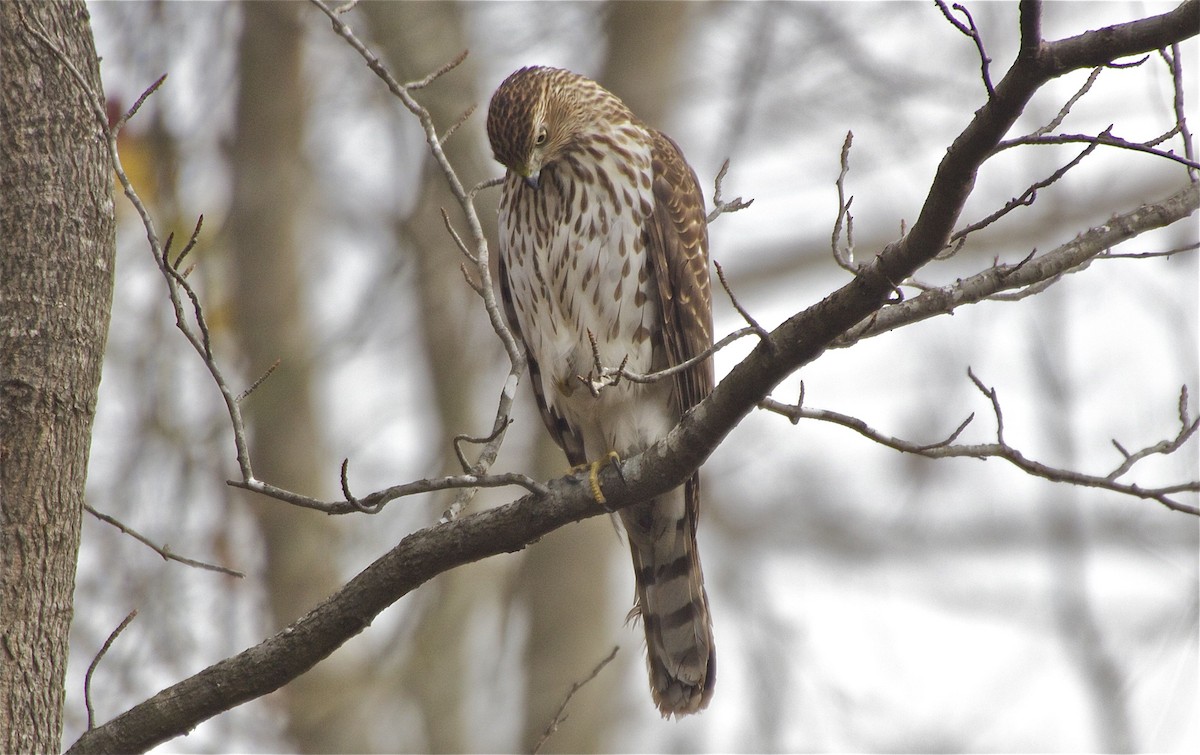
x: 575, y: 248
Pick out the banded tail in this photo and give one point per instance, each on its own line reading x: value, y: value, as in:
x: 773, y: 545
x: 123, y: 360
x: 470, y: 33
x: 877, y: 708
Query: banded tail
x: 671, y: 600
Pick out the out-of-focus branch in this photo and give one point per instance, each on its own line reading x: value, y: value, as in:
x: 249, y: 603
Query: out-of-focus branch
x: 561, y: 715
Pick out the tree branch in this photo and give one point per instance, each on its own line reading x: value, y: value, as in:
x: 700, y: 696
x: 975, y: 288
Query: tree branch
x: 668, y: 463
x: 1001, y: 449
x: 1072, y: 256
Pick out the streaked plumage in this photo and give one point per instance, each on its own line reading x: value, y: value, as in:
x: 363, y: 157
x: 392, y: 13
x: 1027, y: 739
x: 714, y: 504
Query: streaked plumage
x: 602, y: 229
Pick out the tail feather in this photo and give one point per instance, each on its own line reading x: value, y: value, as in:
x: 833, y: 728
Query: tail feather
x: 672, y: 601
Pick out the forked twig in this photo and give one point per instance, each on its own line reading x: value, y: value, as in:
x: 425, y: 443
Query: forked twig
x: 560, y: 716
x: 844, y: 255
x: 1000, y: 449
x: 970, y: 30
x: 720, y: 206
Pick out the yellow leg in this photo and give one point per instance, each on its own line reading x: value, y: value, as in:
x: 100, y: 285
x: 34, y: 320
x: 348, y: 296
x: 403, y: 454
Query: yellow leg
x: 593, y: 470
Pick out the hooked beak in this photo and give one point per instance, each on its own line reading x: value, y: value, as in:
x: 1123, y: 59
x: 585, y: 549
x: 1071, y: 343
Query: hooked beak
x: 531, y: 180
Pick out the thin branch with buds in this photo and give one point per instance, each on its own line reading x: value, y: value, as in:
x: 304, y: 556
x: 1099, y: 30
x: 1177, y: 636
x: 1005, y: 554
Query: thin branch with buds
x: 1104, y: 138
x: 1059, y: 117
x: 1001, y: 449
x: 720, y: 206
x: 1026, y: 198
x: 970, y: 30
x: 1042, y: 270
x: 843, y: 254
x: 480, y: 255
x: 162, y: 550
x: 1176, y: 68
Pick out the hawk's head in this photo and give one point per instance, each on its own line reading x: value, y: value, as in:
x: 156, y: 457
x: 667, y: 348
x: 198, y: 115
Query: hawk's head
x: 539, y: 114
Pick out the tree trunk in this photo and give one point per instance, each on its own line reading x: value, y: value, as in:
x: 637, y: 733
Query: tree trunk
x: 56, y: 276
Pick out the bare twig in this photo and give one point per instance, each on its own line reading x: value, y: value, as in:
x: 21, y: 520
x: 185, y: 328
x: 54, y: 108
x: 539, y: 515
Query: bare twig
x: 1172, y: 60
x: 485, y: 184
x: 720, y: 206
x: 462, y: 246
x: 1002, y: 450
x: 459, y: 439
x: 1027, y: 198
x: 1042, y: 271
x: 844, y: 255
x: 991, y: 395
x: 454, y: 126
x: 1130, y: 64
x: 560, y: 716
x: 477, y: 288
x: 261, y: 379
x: 376, y: 500
x: 970, y: 30
x: 600, y: 377
x: 1104, y: 138
x: 162, y: 550
x: 1057, y: 120
x: 637, y: 377
x: 480, y: 255
x: 87, y: 678
x: 1187, y: 429
x: 1109, y: 255
x: 137, y: 104
x: 191, y: 244
x: 447, y: 68
x: 758, y: 329
x: 354, y: 502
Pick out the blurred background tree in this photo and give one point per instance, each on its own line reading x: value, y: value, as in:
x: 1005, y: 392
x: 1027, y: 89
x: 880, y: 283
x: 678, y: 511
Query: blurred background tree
x: 863, y: 600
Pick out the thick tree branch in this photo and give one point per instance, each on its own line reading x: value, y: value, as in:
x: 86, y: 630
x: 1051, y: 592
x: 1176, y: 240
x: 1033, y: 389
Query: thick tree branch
x: 424, y: 554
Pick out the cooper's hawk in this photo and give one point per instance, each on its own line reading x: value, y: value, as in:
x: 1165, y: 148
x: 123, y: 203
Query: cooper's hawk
x: 603, y: 239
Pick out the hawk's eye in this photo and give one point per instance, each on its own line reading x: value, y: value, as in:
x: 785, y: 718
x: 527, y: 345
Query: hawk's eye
x: 540, y: 139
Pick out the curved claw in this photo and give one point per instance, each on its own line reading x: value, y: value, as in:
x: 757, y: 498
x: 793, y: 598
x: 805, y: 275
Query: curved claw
x: 593, y: 470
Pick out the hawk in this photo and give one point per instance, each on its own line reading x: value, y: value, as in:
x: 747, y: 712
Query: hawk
x: 604, y: 259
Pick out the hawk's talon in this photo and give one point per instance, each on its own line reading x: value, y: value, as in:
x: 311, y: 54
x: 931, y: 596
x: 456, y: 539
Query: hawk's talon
x: 594, y: 481
x: 593, y: 470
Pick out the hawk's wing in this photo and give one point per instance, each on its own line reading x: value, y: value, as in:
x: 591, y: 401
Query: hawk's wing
x: 678, y: 246
x: 568, y: 439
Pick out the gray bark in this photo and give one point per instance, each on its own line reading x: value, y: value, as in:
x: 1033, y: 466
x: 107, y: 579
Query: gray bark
x: 56, y: 276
